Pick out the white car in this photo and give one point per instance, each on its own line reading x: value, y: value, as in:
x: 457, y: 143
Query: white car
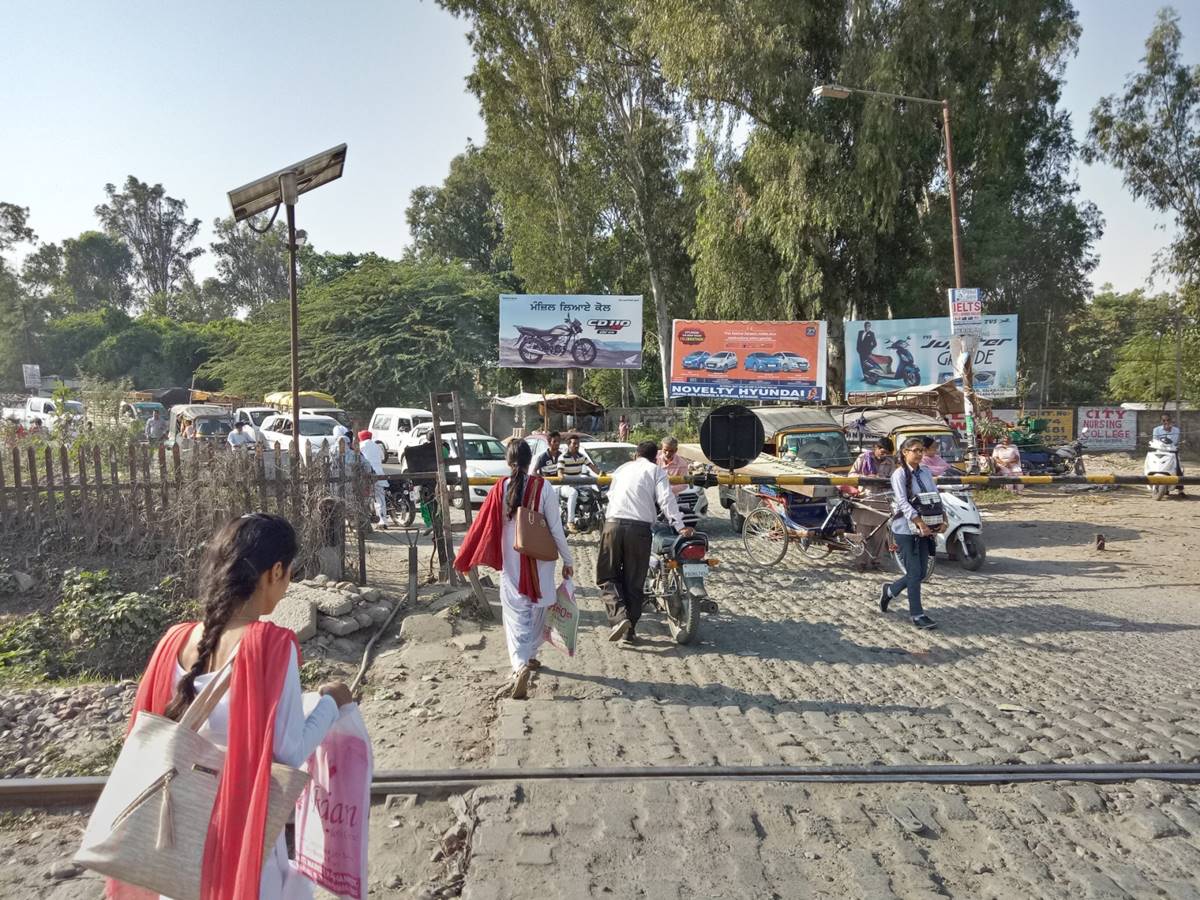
x: 485, y: 459
x: 607, y: 456
x: 316, y: 432
x: 392, y: 428
x: 253, y: 417
x: 792, y: 362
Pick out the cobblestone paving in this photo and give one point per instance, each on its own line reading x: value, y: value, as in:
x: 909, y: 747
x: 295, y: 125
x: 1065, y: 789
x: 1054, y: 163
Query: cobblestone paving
x: 801, y: 667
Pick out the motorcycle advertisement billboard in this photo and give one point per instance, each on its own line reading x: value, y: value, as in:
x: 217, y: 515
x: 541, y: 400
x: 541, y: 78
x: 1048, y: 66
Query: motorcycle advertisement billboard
x: 891, y: 354
x: 748, y: 360
x: 569, y: 331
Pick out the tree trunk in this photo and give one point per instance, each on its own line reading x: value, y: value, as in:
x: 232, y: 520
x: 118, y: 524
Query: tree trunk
x: 836, y: 367
x: 663, y: 317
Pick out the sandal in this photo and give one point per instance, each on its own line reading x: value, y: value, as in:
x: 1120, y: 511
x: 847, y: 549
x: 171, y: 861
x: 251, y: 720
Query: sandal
x: 534, y: 664
x: 520, y: 688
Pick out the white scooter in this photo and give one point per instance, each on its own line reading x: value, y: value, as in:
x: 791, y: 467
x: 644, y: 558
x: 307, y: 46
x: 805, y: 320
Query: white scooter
x: 1162, y: 459
x: 963, y: 536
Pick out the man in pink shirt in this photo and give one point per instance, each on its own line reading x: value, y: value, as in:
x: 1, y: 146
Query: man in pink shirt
x: 669, y: 459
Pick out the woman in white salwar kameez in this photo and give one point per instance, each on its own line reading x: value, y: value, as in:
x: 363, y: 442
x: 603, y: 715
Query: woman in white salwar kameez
x: 491, y: 542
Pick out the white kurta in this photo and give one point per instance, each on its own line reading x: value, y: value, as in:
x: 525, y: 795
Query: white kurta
x: 296, y: 737
x: 523, y: 619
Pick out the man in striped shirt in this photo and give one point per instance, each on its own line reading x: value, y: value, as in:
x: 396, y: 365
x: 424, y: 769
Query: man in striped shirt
x: 573, y: 462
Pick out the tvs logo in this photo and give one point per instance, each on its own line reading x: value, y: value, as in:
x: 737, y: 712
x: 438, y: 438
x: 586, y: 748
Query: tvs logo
x: 691, y: 336
x: 608, y: 326
x: 810, y: 331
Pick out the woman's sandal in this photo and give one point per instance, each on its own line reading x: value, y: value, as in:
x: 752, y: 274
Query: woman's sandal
x: 520, y: 688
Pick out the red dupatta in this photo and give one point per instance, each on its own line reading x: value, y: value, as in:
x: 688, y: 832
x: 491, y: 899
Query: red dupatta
x: 233, y: 853
x: 482, y: 545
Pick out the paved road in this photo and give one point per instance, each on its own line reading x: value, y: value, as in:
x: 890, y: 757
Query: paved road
x: 1098, y: 651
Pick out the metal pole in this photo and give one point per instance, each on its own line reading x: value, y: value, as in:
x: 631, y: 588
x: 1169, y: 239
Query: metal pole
x: 1178, y: 361
x: 969, y: 344
x: 287, y: 187
x: 1044, y: 393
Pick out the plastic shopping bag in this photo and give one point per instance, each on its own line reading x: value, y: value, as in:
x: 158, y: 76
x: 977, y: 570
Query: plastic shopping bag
x: 562, y: 620
x: 331, y: 814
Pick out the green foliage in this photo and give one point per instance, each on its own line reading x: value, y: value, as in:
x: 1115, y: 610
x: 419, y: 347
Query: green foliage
x: 1152, y: 134
x: 95, y: 628
x: 385, y: 333
x: 253, y: 267
x: 96, y: 274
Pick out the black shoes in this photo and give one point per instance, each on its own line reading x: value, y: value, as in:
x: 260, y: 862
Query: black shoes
x: 619, y: 630
x: 924, y: 622
x: 885, y: 597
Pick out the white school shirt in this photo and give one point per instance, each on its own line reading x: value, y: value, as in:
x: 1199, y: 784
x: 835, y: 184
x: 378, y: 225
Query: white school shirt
x: 1173, y: 433
x: 635, y: 487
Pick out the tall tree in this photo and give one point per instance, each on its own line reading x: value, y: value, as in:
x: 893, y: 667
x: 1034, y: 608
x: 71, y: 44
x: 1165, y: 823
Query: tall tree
x: 97, y: 269
x: 22, y: 312
x: 460, y: 218
x: 156, y: 229
x: 14, y: 226
x: 841, y: 206
x: 253, y: 266
x: 1151, y: 133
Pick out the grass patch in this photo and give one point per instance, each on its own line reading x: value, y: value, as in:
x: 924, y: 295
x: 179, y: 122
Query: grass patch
x: 990, y: 496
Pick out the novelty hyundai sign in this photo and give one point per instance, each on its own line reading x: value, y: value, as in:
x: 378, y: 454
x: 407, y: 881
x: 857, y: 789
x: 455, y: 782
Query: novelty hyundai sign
x: 567, y: 331
x: 749, y: 360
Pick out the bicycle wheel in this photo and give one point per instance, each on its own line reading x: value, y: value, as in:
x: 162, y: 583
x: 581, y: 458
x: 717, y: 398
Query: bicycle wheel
x: 764, y: 536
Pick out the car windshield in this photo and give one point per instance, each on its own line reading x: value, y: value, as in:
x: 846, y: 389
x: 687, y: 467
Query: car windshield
x: 146, y: 410
x: 945, y: 444
x: 819, y: 449
x: 484, y: 448
x: 258, y: 416
x: 609, y: 458
x: 213, y: 427
x: 316, y: 428
x: 73, y: 406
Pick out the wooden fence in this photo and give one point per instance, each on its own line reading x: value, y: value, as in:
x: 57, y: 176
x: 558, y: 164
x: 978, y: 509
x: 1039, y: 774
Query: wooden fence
x: 147, y: 499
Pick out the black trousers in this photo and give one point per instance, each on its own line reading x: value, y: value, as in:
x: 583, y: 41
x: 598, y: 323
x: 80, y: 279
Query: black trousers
x: 621, y: 568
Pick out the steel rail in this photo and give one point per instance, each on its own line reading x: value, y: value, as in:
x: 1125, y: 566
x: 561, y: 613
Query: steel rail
x: 46, y: 791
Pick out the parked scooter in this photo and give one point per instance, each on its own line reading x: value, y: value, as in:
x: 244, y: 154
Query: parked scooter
x: 963, y: 537
x: 1162, y: 459
x: 590, y: 505
x: 876, y: 367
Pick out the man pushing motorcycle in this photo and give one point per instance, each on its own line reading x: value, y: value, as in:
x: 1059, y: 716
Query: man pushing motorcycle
x: 625, y: 545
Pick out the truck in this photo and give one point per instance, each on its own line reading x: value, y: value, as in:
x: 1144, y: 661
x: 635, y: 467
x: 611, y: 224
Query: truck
x: 44, y: 410
x: 312, y: 403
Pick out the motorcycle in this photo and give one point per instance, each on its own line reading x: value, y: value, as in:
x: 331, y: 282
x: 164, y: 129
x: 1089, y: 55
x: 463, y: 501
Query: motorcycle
x: 402, y: 501
x: 1071, y: 455
x: 1161, y: 459
x: 590, y: 504
x: 678, y: 567
x: 876, y: 367
x: 560, y: 340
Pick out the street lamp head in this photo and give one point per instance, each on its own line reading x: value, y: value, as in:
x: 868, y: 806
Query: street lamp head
x: 266, y: 192
x: 830, y: 92
x: 301, y: 237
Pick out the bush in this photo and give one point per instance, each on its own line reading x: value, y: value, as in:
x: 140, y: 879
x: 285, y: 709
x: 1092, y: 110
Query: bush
x: 95, y: 629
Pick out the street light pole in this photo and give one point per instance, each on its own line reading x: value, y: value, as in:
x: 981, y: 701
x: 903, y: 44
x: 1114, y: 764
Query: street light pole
x: 287, y: 189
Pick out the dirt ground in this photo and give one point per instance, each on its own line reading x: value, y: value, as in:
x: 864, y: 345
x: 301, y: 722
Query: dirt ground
x: 1055, y: 652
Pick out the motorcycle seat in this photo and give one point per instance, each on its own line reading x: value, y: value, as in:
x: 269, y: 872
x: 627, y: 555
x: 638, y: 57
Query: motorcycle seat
x: 882, y: 360
x: 537, y: 332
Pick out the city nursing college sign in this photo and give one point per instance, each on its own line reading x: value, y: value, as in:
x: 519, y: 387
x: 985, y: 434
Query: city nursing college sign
x: 1108, y: 427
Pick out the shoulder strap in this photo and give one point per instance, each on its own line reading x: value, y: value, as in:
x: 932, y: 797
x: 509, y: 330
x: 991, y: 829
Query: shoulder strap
x: 533, y: 492
x: 206, y: 701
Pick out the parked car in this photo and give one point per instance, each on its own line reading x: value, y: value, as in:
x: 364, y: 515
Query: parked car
x: 44, y: 409
x: 392, y: 428
x: 696, y: 359
x: 721, y: 362
x: 253, y: 417
x: 792, y: 362
x: 608, y: 455
x: 485, y: 458
x: 316, y: 432
x: 762, y: 362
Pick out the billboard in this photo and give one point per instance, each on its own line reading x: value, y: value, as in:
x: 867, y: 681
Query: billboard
x: 748, y: 360
x: 1059, y: 422
x: 890, y: 354
x: 566, y: 331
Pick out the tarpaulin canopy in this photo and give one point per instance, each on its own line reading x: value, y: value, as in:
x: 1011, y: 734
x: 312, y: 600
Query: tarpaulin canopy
x: 946, y: 399
x: 567, y: 404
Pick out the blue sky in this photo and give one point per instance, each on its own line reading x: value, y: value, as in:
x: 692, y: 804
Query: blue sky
x: 204, y: 97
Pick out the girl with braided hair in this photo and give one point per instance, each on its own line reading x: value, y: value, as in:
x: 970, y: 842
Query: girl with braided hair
x: 246, y: 570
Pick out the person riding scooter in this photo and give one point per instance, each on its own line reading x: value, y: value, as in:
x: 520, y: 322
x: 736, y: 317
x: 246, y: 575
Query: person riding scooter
x: 877, y: 367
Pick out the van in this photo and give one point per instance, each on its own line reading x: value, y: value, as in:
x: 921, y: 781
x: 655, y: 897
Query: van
x: 392, y: 426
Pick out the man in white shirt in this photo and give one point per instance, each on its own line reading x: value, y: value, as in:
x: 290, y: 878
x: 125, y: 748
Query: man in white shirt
x: 1168, y: 430
x: 624, y: 556
x: 372, y: 453
x: 239, y: 437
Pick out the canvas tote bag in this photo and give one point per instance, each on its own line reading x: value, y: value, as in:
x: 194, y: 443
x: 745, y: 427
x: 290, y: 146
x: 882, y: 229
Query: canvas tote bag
x: 533, y: 537
x: 151, y: 821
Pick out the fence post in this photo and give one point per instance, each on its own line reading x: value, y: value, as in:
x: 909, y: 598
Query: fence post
x: 34, y: 500
x: 85, y: 505
x: 3, y: 499
x: 295, y: 460
x: 162, y: 477
x: 64, y: 466
x: 18, y: 493
x: 260, y: 474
